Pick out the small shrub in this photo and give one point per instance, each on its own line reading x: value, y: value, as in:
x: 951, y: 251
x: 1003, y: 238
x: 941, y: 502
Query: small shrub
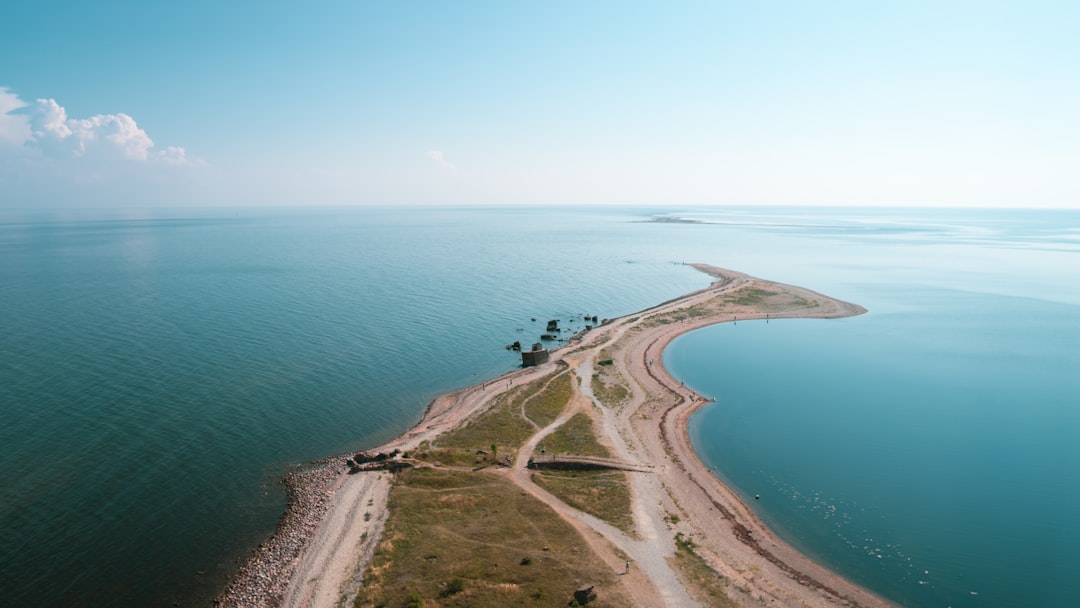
x: 455, y: 586
x: 684, y: 543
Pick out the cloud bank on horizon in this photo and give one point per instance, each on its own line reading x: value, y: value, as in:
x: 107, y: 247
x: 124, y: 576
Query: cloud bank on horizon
x: 49, y: 159
x: 45, y: 128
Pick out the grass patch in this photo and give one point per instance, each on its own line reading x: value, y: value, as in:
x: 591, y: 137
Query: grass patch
x: 608, y: 385
x: 454, y: 457
x: 546, y: 404
x: 604, y: 494
x: 764, y: 300
x: 704, y: 584
x: 501, y: 425
x: 749, y: 296
x: 575, y: 437
x: 608, y: 393
x: 465, y: 539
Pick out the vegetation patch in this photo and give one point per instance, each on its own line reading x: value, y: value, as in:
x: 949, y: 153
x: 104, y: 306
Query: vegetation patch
x: 682, y: 314
x: 608, y: 391
x: 502, y: 425
x: 601, y: 493
x: 704, y: 584
x: 608, y: 385
x: 545, y: 405
x: 575, y: 437
x: 454, y: 457
x: 749, y: 296
x: 465, y: 539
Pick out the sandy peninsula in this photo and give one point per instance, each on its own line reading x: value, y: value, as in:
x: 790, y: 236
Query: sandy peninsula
x: 335, y: 519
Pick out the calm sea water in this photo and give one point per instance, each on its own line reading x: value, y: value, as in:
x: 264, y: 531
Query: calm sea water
x: 160, y: 370
x: 928, y: 449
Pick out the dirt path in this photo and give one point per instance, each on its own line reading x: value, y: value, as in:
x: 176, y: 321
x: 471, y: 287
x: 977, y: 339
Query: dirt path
x: 650, y: 581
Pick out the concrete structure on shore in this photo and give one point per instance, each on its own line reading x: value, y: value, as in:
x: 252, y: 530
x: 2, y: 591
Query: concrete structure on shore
x: 536, y: 356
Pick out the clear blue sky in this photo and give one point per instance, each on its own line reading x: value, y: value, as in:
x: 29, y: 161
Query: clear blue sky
x: 326, y: 103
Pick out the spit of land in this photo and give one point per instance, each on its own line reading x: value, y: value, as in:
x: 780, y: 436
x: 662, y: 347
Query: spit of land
x: 572, y: 481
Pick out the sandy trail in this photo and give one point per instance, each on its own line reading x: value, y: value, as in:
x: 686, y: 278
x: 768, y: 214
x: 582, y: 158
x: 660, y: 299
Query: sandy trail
x: 650, y: 580
x: 329, y: 569
x: 649, y: 427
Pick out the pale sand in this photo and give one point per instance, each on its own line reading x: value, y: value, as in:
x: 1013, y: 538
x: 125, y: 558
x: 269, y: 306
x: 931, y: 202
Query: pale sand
x: 650, y: 428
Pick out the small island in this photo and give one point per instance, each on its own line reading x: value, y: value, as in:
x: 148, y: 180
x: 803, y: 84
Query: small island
x: 572, y: 481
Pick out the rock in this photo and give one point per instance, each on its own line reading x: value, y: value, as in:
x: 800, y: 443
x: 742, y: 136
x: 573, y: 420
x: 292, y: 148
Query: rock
x: 585, y: 594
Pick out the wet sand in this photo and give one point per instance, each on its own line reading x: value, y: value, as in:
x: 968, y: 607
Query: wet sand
x: 334, y: 519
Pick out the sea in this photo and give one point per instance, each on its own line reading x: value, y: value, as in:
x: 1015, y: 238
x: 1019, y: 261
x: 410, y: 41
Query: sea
x: 161, y: 369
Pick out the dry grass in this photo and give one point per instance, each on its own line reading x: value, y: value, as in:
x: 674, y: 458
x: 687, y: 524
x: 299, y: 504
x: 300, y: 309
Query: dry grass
x: 546, y: 405
x: 504, y: 425
x: 601, y: 493
x: 604, y: 494
x: 501, y: 425
x: 467, y: 539
x: 703, y: 583
x: 751, y: 298
x: 577, y: 437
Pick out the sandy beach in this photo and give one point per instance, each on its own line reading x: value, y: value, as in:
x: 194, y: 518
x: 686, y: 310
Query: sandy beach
x: 335, y: 519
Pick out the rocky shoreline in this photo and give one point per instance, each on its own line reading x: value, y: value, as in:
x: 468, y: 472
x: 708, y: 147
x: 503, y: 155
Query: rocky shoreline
x: 266, y: 573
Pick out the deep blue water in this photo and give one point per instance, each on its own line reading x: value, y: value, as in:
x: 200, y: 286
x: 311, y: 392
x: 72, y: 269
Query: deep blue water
x: 158, y: 374
x: 160, y: 370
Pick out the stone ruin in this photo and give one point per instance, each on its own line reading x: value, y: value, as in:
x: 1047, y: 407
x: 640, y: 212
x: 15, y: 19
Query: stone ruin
x: 536, y: 356
x: 364, y: 461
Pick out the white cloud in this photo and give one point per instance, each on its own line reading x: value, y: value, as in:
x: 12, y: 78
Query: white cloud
x: 440, y: 160
x: 175, y: 155
x: 107, y: 135
x: 117, y: 132
x: 50, y: 120
x: 14, y: 128
x: 46, y: 127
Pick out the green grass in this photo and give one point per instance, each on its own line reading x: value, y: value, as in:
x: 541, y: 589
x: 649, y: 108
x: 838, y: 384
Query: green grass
x: 575, y: 437
x: 604, y: 494
x: 546, y: 404
x: 501, y: 425
x: 466, y: 539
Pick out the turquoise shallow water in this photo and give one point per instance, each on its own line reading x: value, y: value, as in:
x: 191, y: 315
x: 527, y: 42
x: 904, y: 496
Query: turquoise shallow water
x: 928, y: 449
x: 925, y: 454
x: 160, y: 370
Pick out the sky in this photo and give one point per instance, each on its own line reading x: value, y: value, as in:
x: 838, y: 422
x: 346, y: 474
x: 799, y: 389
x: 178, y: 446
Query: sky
x: 228, y: 103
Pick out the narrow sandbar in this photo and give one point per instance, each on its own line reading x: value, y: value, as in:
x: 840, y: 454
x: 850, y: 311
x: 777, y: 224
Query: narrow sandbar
x: 326, y: 538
